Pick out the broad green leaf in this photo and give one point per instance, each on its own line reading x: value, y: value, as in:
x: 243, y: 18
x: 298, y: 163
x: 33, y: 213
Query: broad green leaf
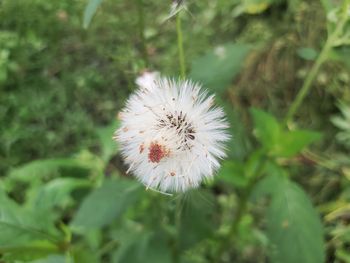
x: 292, y: 142
x: 21, y: 223
x: 294, y: 227
x: 233, y: 173
x: 90, y: 11
x: 271, y: 183
x: 24, y: 235
x: 216, y: 69
x: 266, y: 128
x: 56, y: 193
x: 106, y: 204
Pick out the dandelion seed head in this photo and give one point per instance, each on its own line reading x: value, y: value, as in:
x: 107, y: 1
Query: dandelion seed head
x: 171, y: 135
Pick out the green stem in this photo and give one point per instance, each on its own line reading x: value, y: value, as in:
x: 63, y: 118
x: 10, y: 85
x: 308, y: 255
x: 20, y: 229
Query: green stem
x: 305, y: 89
x: 141, y: 28
x: 177, y: 222
x: 180, y: 46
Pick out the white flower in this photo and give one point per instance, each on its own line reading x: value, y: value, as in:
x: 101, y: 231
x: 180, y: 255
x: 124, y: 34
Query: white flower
x: 171, y: 135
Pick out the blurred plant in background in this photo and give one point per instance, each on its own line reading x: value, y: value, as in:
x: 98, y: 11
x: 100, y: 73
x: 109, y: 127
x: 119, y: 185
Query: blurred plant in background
x: 64, y: 194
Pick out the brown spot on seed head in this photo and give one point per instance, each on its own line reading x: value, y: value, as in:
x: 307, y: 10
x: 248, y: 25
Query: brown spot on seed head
x: 141, y: 131
x: 125, y: 129
x: 172, y: 173
x: 157, y: 152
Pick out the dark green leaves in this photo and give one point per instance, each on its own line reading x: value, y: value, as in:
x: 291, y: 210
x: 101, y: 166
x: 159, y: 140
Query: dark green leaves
x: 106, y: 204
x: 294, y: 227
x: 216, y: 69
x: 90, y: 11
x: 277, y: 141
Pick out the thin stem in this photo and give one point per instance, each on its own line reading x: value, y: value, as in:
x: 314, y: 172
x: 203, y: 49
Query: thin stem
x: 177, y: 222
x: 180, y: 46
x: 141, y: 28
x: 305, y: 89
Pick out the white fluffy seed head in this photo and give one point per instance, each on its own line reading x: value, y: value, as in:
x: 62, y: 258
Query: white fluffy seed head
x: 171, y: 135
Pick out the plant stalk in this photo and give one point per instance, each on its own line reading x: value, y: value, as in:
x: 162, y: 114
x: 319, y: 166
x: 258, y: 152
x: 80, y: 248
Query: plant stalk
x: 141, y: 29
x: 306, y: 87
x: 180, y: 46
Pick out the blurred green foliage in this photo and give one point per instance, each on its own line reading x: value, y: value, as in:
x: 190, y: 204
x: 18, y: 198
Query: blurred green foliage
x: 66, y: 68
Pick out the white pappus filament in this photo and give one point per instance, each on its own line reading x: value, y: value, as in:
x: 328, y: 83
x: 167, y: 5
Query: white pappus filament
x: 171, y: 135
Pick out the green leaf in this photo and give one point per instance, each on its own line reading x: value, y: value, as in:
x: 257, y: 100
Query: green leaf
x: 53, y: 259
x: 39, y: 169
x: 84, y: 255
x: 107, y: 144
x: 307, y: 53
x: 138, y: 244
x: 56, y: 193
x: 29, y: 252
x: 277, y: 142
x: 216, y: 69
x: 106, y: 204
x: 294, y: 227
x: 90, y: 11
x: 233, y: 173
x: 266, y: 128
x: 20, y: 223
x: 270, y: 184
x: 292, y: 142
